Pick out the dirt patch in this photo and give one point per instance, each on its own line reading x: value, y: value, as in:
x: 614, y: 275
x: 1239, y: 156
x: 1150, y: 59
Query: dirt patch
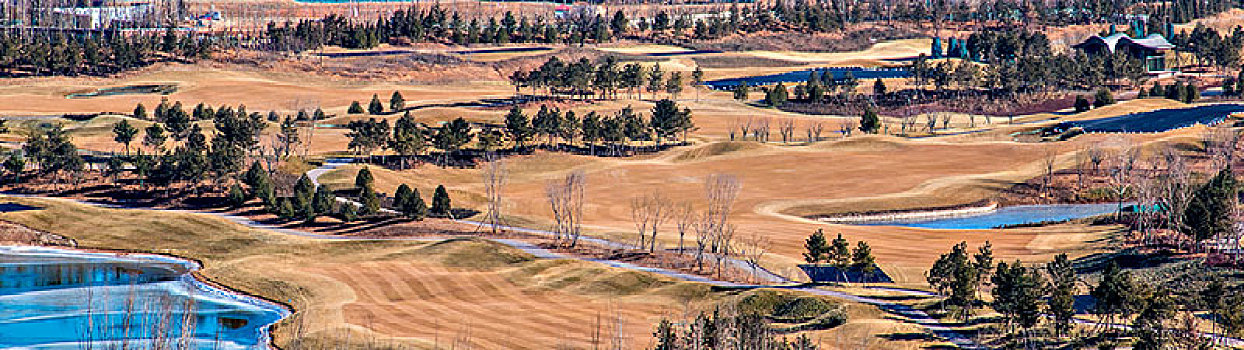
x: 16, y: 234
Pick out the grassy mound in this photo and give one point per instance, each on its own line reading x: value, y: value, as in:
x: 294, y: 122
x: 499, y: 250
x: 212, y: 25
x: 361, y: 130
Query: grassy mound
x: 793, y: 312
x: 717, y: 149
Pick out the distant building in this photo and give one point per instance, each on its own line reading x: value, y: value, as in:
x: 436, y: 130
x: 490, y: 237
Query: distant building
x: 1151, y: 49
x: 102, y: 17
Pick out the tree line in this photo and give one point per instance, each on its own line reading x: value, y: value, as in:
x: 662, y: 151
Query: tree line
x: 603, y: 79
x: 1038, y: 303
x: 93, y: 53
x: 549, y: 127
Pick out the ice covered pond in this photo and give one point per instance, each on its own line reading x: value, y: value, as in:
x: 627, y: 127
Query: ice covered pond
x: 64, y: 299
x: 1005, y: 216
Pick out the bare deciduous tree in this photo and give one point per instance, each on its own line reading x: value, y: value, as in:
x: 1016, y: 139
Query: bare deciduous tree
x: 494, y: 180
x: 745, y: 128
x: 566, y: 201
x: 760, y: 132
x: 720, y: 191
x: 1048, y: 180
x: 752, y: 250
x: 847, y: 127
x: 1096, y: 155
x: 787, y: 130
x: 685, y: 219
x: 814, y: 131
x: 648, y: 213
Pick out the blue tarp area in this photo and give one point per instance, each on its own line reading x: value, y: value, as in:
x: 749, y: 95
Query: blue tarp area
x: 830, y: 274
x: 1161, y: 120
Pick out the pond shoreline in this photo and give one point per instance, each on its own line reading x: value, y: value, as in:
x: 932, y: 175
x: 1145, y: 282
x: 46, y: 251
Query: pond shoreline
x: 913, y: 214
x: 1003, y: 214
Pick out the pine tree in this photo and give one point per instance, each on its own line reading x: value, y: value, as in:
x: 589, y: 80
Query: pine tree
x: 1191, y: 94
x: 347, y: 212
x: 323, y: 200
x: 1082, y: 104
x: 396, y: 102
x: 518, y: 126
x: 440, y: 202
x: 363, y: 179
x: 375, y: 107
x: 862, y: 259
x: 817, y: 247
x: 154, y: 136
x: 237, y: 197
x: 879, y: 88
x: 776, y: 96
x: 870, y: 122
x: 1103, y: 98
x: 400, y: 196
x: 124, y: 134
x: 355, y: 108
x: 140, y: 112
x: 1209, y: 212
x: 1062, y: 290
x: 369, y: 202
x: 741, y: 91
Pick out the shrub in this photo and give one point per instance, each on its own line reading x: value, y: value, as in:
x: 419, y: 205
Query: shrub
x: 1082, y: 104
x: 1103, y: 98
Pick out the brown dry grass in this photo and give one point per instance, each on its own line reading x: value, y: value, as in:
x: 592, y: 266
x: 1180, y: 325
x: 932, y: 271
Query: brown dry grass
x: 467, y: 292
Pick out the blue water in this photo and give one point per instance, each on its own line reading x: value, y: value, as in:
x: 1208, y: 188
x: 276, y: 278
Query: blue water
x: 802, y: 76
x: 1161, y: 120
x: 60, y: 299
x: 1020, y: 214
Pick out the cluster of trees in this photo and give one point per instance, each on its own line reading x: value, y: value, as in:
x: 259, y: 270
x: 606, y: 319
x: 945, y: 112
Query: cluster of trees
x: 839, y: 254
x: 1209, y: 47
x: 959, y: 275
x: 397, y: 103
x: 994, y: 46
x: 1028, y: 73
x: 1102, y: 98
x: 720, y: 331
x: 714, y: 238
x: 1186, y: 93
x: 818, y: 88
x: 51, y: 152
x: 408, y: 138
x: 1024, y: 295
x: 439, y: 25
x: 57, y: 53
x: 602, y: 79
x: 306, y: 201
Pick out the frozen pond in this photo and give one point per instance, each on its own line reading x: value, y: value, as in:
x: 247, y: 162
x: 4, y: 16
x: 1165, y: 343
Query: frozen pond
x: 1161, y: 120
x: 1015, y: 215
x: 63, y: 299
x: 802, y: 76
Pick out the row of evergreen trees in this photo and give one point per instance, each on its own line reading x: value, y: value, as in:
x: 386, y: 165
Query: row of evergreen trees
x: 93, y: 53
x: 407, y: 137
x: 439, y: 25
x: 602, y: 79
x: 307, y: 202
